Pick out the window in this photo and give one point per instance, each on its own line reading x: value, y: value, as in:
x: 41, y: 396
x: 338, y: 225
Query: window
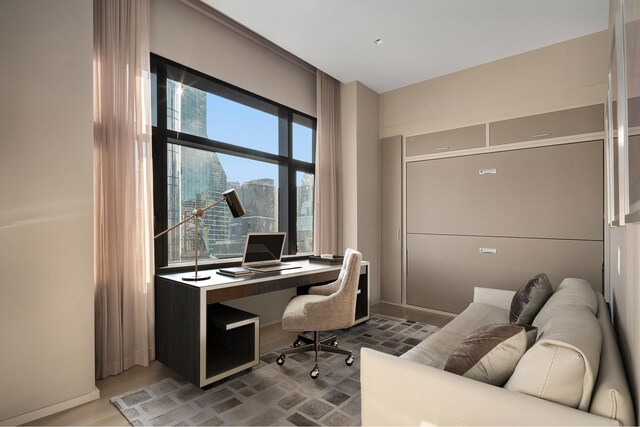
x: 215, y: 137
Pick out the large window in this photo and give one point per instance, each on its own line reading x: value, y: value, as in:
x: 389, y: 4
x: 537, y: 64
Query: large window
x: 215, y: 137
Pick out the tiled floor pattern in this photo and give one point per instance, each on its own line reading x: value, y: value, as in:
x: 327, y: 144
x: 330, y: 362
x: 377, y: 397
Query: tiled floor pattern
x: 277, y: 395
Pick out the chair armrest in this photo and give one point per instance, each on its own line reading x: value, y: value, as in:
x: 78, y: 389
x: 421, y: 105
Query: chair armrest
x: 326, y: 290
x: 496, y: 297
x: 397, y: 391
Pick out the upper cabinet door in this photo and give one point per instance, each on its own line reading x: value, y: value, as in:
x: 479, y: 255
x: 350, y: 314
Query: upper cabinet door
x: 448, y: 140
x: 575, y: 121
x: 548, y: 192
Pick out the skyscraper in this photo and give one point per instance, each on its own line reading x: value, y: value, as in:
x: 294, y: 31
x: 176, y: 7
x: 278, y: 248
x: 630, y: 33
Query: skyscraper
x: 193, y: 175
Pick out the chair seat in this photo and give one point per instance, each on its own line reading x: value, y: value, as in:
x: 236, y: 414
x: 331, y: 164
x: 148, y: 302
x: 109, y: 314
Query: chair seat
x: 294, y: 318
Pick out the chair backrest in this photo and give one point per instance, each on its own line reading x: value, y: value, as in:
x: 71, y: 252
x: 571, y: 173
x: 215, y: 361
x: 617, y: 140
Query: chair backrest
x: 347, y: 293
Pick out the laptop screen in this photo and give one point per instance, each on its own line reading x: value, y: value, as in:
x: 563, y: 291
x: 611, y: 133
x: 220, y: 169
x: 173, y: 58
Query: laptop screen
x: 263, y: 248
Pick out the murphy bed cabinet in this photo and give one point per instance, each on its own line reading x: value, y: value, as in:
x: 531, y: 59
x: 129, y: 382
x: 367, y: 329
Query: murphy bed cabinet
x: 502, y: 210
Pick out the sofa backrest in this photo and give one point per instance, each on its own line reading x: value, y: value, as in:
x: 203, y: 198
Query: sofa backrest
x: 611, y: 397
x: 562, y: 365
x: 569, y: 293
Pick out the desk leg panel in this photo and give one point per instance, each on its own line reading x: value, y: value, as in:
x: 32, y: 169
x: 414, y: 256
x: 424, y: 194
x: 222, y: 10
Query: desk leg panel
x: 178, y: 328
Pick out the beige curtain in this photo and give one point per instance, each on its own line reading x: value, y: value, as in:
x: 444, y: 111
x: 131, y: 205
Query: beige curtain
x: 124, y: 321
x: 325, y: 225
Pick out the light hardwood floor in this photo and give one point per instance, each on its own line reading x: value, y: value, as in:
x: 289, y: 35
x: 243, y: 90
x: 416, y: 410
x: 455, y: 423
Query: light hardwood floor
x: 102, y: 412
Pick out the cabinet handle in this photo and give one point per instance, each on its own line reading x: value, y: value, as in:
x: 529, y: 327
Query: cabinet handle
x: 540, y: 135
x: 492, y: 171
x: 398, y: 233
x: 488, y: 250
x: 442, y: 149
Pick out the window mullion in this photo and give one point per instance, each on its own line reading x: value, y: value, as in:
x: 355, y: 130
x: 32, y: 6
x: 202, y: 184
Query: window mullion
x: 159, y: 154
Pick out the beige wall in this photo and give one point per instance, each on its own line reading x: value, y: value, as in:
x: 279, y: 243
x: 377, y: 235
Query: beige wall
x: 188, y: 37
x: 568, y: 74
x: 360, y: 172
x: 46, y: 233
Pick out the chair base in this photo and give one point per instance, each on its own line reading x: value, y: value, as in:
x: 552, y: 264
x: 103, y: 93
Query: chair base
x: 303, y: 339
x: 316, y: 345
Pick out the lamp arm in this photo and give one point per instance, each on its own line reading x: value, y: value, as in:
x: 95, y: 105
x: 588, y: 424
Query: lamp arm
x: 201, y: 211
x: 197, y: 212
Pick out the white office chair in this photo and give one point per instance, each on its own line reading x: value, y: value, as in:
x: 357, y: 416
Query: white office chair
x: 326, y: 307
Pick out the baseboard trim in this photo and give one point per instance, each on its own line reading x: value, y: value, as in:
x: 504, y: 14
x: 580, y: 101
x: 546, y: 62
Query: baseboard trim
x: 273, y: 322
x: 415, y: 307
x: 50, y: 410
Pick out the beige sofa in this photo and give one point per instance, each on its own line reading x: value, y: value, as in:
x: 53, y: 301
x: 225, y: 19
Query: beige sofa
x: 572, y: 375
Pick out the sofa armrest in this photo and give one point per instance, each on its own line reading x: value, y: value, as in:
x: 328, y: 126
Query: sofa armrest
x: 496, y: 297
x: 397, y: 391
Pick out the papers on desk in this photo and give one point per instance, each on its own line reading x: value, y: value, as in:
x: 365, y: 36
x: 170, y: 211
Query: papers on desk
x: 235, y: 272
x: 326, y: 259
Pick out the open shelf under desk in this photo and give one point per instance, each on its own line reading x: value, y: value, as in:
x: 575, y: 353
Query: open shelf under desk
x: 232, y: 342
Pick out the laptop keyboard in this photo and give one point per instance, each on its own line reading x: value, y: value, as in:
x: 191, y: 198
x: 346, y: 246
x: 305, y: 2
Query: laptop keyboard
x: 276, y: 264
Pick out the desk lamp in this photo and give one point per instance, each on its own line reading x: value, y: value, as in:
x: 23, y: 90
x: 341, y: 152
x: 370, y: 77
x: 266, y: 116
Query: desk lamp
x: 235, y: 206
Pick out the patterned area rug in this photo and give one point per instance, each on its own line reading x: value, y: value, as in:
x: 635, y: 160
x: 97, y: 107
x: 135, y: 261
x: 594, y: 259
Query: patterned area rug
x: 277, y: 395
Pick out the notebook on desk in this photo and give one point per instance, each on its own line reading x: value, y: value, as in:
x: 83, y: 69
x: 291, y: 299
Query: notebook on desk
x: 235, y: 272
x: 263, y: 252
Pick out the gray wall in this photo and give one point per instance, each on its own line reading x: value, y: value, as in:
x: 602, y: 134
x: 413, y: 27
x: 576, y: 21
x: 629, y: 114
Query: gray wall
x: 46, y: 207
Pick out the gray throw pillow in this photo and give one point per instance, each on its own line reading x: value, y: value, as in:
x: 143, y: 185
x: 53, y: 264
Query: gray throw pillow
x: 491, y: 353
x: 530, y: 299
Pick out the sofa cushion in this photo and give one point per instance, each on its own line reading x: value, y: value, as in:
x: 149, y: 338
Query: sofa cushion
x: 562, y: 365
x: 435, y: 350
x: 491, y: 352
x: 529, y: 299
x: 570, y: 293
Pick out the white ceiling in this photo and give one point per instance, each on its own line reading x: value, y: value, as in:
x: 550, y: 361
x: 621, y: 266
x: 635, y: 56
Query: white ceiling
x: 422, y: 39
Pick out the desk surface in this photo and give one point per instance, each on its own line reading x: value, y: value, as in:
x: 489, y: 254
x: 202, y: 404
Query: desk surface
x: 218, y: 281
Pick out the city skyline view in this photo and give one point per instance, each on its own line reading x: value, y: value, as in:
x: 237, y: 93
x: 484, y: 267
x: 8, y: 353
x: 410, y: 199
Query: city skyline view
x: 195, y: 175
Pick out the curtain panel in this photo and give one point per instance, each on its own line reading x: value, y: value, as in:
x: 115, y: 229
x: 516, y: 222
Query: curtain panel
x: 123, y: 218
x: 325, y: 225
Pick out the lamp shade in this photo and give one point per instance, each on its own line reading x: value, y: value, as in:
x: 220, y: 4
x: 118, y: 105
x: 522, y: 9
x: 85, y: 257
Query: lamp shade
x: 235, y: 206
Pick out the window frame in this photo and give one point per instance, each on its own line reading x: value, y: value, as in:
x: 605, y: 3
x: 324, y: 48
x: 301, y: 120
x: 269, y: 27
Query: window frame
x: 288, y: 166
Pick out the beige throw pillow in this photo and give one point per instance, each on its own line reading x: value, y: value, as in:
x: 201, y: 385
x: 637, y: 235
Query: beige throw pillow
x: 530, y: 299
x: 490, y: 354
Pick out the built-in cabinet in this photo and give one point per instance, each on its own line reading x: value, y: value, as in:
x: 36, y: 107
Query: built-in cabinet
x: 497, y: 219
x: 548, y: 192
x: 442, y: 270
x: 391, y: 219
x: 492, y: 205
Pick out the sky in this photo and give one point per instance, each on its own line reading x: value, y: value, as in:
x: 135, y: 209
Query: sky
x: 238, y: 124
x: 235, y: 123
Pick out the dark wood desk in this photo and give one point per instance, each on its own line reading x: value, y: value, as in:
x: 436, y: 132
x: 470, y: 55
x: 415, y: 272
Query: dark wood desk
x: 206, y: 341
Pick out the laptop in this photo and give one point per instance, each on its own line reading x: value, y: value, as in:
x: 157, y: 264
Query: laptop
x: 263, y: 252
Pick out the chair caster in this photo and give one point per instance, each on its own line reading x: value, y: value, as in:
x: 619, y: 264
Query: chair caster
x: 280, y: 360
x: 334, y: 343
x: 349, y: 360
x: 315, y: 373
x: 297, y: 343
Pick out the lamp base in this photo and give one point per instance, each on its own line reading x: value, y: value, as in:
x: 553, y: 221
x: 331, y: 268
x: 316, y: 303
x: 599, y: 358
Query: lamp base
x: 193, y: 277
